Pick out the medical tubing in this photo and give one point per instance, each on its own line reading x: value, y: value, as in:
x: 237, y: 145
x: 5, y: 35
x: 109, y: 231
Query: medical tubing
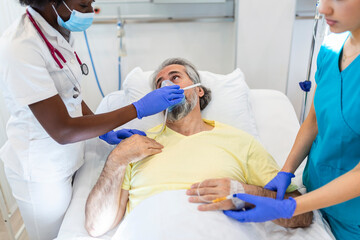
x: 119, y: 69
x: 163, y: 125
x: 93, y: 65
x: 200, y: 197
x: 120, y: 47
x: 78, y: 88
x: 192, y: 86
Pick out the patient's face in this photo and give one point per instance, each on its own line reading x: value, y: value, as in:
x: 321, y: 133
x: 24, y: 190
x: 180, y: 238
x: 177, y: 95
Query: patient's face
x: 177, y: 74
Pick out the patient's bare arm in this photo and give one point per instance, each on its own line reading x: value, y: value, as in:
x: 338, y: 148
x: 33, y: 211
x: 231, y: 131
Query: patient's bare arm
x: 215, y: 188
x: 303, y: 220
x: 106, y: 203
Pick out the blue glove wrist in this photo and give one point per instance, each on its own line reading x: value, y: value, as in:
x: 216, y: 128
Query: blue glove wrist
x: 138, y: 108
x: 287, y: 174
x: 290, y: 205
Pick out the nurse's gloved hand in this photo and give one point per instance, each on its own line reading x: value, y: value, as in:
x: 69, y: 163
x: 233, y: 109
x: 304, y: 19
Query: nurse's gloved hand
x: 158, y: 100
x: 115, y: 137
x: 280, y: 183
x: 265, y: 209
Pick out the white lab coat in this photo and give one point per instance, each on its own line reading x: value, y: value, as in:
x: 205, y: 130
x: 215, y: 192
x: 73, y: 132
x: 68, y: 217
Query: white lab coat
x: 29, y: 74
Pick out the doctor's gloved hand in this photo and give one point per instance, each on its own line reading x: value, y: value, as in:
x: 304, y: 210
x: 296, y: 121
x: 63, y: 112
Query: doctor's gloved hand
x: 158, y: 100
x: 115, y: 137
x: 280, y: 183
x: 265, y: 209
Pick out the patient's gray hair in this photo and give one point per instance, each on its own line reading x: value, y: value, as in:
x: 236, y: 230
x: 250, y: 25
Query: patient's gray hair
x: 191, y: 72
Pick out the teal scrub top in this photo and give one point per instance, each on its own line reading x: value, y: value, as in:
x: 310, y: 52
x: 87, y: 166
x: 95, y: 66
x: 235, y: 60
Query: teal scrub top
x: 336, y: 148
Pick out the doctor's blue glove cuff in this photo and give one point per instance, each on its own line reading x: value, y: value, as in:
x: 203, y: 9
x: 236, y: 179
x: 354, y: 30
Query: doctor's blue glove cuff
x: 138, y: 109
x: 291, y: 204
x: 289, y: 174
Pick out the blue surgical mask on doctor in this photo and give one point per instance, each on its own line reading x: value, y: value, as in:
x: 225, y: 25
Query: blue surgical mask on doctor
x: 78, y: 21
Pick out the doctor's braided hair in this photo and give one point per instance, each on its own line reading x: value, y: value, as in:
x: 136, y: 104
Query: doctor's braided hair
x: 39, y: 3
x: 191, y: 72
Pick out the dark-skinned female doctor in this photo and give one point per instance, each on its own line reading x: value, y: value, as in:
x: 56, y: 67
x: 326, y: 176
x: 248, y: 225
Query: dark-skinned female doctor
x: 40, y: 76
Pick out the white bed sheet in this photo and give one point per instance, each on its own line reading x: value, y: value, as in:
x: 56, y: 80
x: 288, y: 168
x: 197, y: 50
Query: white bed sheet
x: 277, y: 127
x: 169, y: 215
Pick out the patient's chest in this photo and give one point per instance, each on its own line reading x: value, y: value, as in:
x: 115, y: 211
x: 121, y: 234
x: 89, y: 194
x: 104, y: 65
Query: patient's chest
x: 187, y: 160
x: 187, y: 163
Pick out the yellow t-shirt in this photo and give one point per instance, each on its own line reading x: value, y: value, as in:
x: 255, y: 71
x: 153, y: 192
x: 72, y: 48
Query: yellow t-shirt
x: 223, y: 152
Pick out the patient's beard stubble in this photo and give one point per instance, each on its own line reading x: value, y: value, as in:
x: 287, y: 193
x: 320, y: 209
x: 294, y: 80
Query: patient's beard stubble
x: 182, y: 110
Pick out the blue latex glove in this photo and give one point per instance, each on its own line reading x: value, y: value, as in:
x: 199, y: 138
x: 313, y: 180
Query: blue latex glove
x: 266, y: 209
x: 115, y: 137
x: 158, y: 100
x: 280, y: 183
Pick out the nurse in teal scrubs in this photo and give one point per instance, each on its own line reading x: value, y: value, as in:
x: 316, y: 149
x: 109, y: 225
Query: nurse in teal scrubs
x: 330, y: 135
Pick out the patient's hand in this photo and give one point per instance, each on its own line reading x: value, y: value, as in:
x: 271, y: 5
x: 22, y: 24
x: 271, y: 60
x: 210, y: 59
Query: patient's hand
x: 217, y: 188
x: 210, y: 190
x: 134, y: 149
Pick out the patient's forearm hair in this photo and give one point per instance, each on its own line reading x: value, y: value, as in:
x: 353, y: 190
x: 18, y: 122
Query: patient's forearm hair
x: 302, y: 220
x: 106, y: 203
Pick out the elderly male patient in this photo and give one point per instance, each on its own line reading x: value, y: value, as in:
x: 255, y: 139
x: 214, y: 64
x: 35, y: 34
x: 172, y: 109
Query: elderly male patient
x: 189, y: 150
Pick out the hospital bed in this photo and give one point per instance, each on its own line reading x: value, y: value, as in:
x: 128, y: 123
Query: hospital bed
x: 266, y: 114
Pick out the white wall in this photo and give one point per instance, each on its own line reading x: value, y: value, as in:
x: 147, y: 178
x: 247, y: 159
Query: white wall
x: 264, y: 41
x: 300, y: 51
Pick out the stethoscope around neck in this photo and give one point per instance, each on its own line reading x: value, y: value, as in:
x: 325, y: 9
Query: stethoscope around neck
x: 55, y: 54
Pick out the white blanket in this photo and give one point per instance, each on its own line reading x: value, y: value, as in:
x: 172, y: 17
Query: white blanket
x: 169, y: 215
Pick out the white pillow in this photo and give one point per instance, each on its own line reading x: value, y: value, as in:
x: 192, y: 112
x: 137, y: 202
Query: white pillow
x: 230, y: 100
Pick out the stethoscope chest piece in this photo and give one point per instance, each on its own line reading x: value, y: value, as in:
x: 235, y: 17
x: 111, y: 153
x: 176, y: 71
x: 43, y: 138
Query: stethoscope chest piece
x: 84, y: 69
x: 56, y: 53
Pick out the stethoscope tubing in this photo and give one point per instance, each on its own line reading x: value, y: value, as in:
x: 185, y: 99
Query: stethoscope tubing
x: 52, y: 49
x: 55, y: 52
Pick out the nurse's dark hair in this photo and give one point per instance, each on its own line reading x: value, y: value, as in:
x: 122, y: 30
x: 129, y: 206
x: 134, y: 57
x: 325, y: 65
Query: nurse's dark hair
x: 39, y: 3
x: 191, y: 72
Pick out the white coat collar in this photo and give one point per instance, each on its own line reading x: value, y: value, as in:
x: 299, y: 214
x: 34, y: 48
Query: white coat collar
x: 48, y: 30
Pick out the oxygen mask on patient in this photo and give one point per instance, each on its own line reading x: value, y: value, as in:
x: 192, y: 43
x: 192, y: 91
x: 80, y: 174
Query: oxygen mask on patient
x: 169, y: 109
